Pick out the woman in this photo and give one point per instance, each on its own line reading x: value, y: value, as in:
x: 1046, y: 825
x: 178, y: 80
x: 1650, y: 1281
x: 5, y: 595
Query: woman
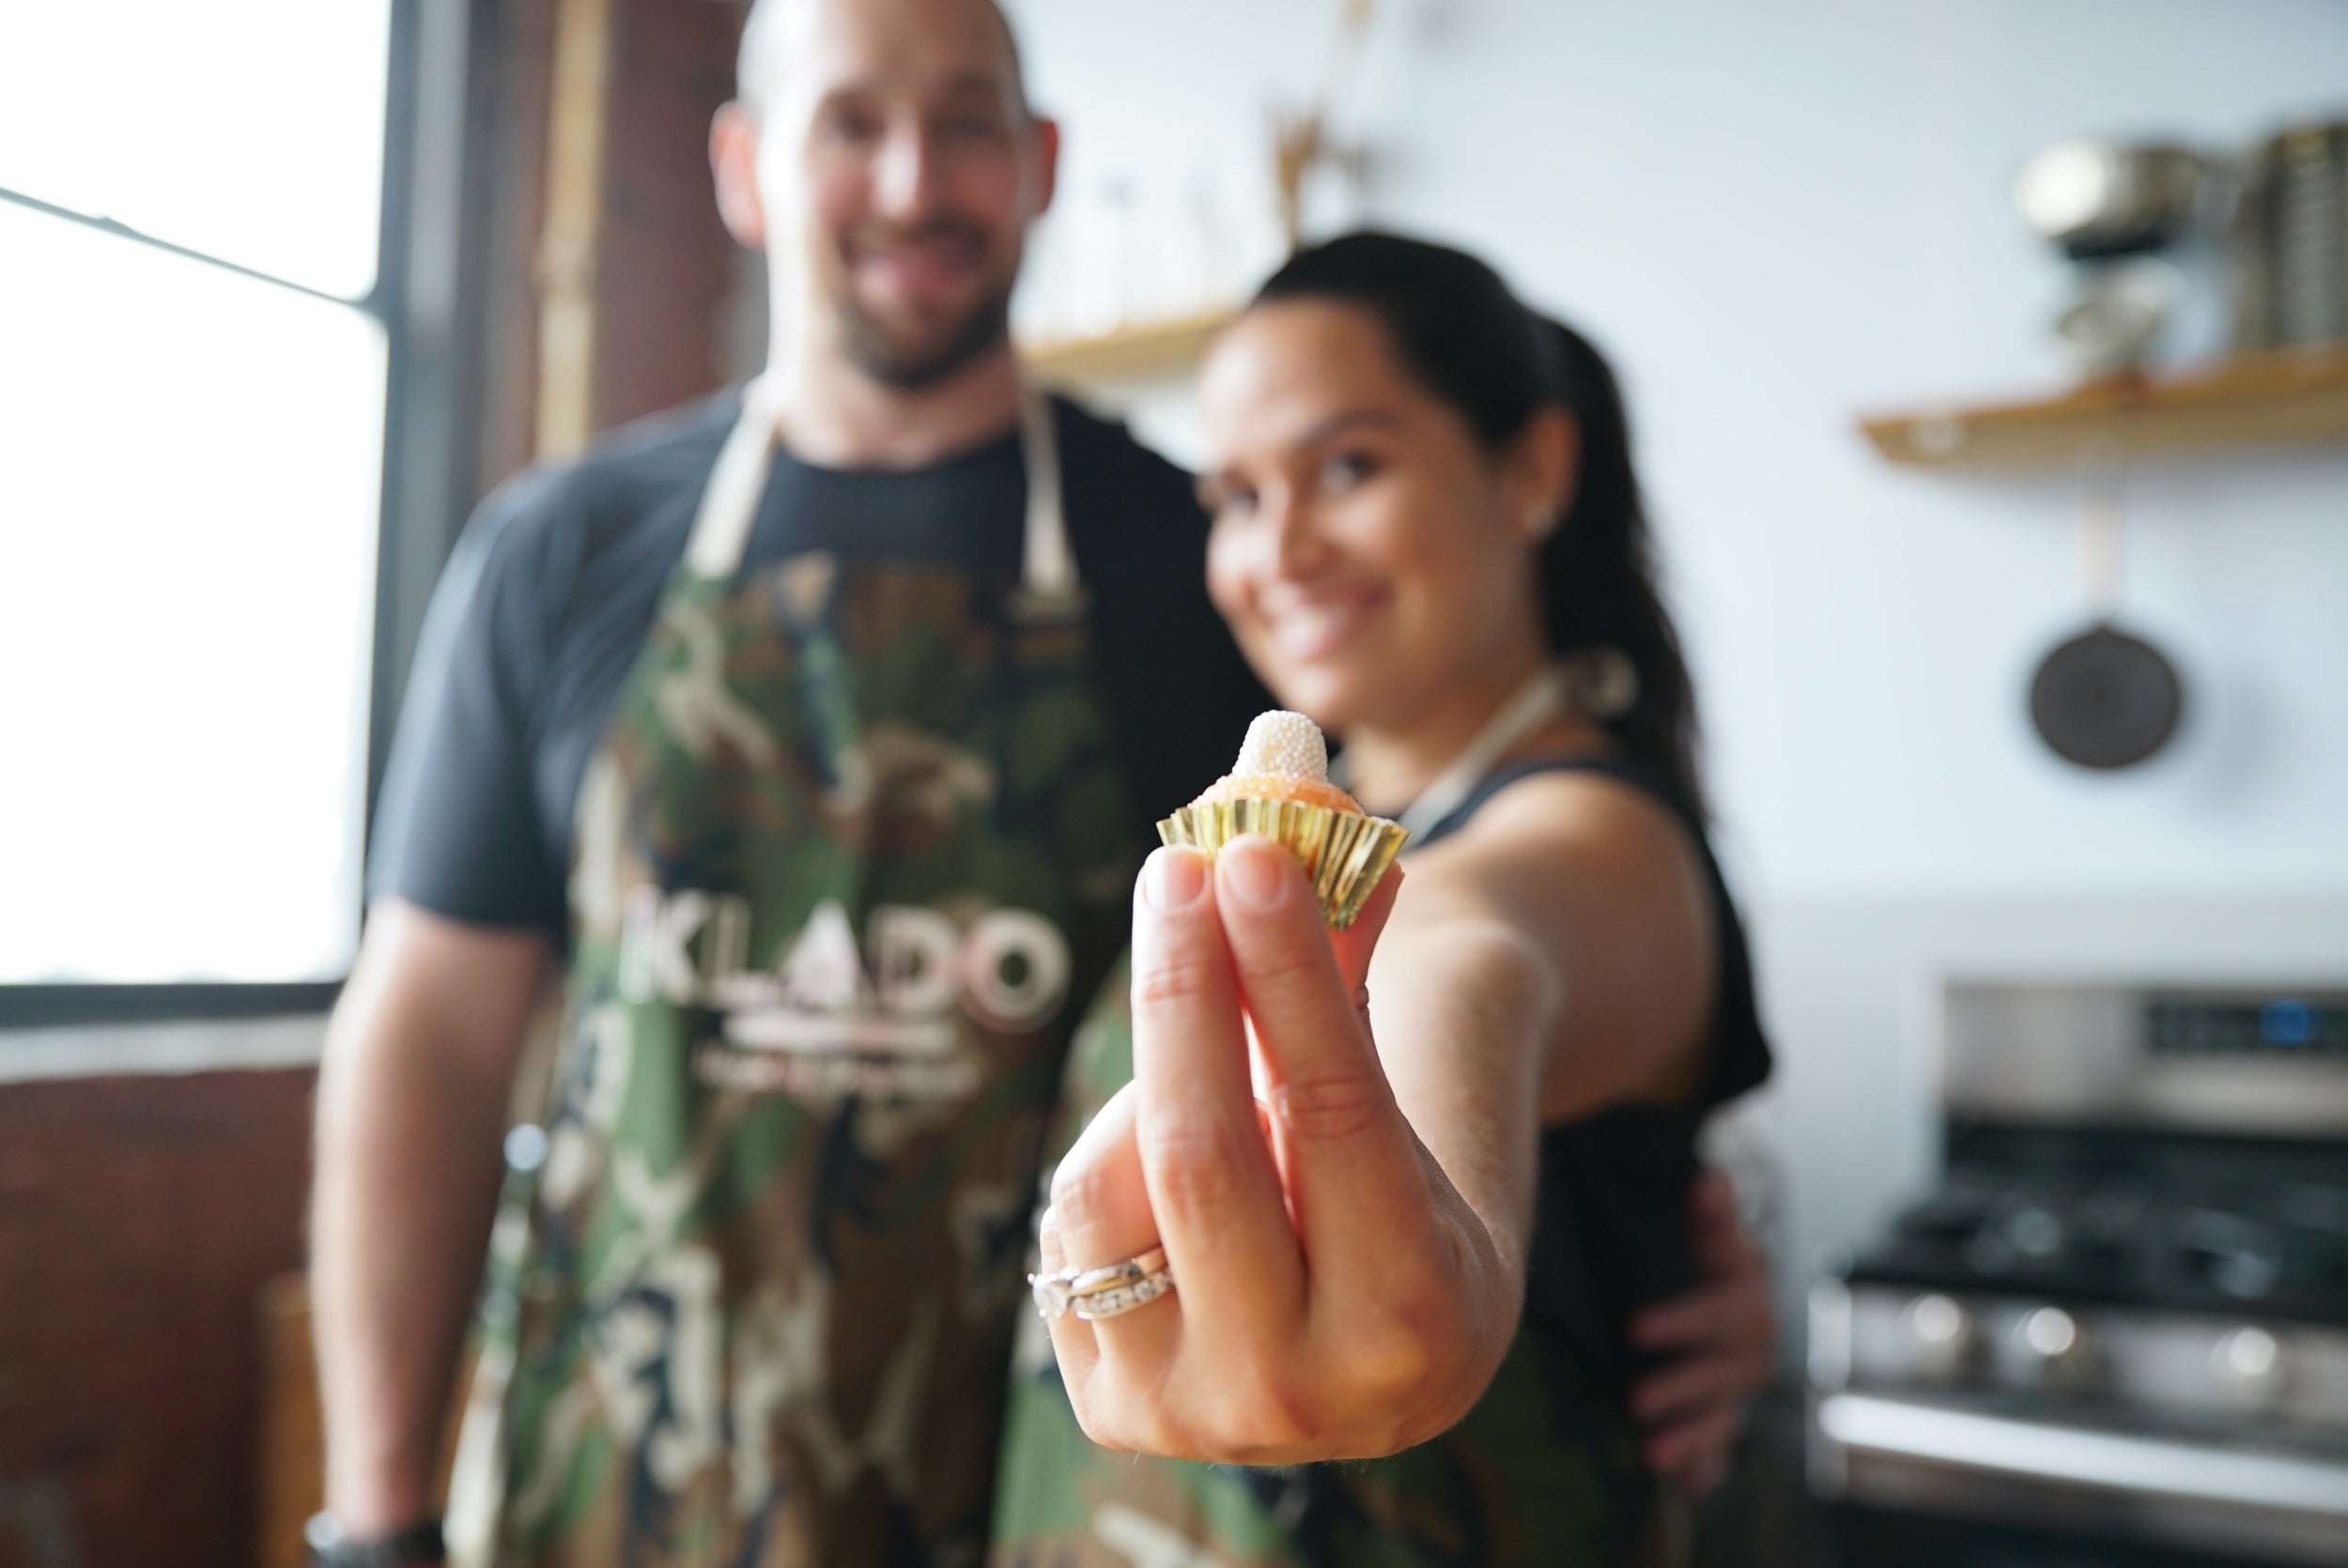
x: 1419, y: 1245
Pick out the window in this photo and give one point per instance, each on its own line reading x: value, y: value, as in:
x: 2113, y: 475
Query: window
x: 194, y: 378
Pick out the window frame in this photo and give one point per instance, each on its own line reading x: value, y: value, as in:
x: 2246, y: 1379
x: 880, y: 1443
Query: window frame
x: 428, y: 297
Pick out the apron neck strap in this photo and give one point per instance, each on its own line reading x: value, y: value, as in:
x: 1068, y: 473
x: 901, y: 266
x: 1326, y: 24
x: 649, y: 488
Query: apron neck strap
x: 1047, y: 567
x: 729, y: 503
x: 1541, y: 698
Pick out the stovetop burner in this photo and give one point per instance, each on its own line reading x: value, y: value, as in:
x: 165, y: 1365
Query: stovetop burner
x: 2124, y: 1217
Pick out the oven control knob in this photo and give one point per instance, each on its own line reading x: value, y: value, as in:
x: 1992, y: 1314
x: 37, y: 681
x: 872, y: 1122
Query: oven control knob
x: 1940, y: 1338
x: 2055, y: 1349
x: 2249, y: 1365
x: 2037, y: 1232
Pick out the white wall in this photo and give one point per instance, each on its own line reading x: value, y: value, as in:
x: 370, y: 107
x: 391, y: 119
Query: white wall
x: 1774, y: 216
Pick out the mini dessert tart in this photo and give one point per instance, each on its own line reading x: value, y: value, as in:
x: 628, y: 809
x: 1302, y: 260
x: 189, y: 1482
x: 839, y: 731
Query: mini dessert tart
x: 1280, y: 788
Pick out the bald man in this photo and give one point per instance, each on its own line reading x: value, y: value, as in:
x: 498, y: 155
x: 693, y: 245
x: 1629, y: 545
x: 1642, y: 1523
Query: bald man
x: 807, y: 740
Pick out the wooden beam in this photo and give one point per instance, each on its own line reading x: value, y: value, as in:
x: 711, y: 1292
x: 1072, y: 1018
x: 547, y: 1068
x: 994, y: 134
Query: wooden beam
x: 577, y: 109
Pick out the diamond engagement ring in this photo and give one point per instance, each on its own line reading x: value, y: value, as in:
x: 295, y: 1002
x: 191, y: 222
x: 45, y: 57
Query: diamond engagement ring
x: 1093, y: 1294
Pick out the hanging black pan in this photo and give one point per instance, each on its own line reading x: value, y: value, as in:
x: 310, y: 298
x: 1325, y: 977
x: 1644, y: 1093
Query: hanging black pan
x: 2104, y: 699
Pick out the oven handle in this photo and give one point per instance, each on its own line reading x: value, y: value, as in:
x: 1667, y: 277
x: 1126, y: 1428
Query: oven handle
x: 2149, y: 1467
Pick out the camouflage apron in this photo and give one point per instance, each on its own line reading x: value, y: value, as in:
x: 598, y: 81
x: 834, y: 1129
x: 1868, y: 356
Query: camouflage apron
x: 1534, y: 1478
x: 851, y: 844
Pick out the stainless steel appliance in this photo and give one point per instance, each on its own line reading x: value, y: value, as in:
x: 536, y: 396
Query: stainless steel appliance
x: 2118, y: 1331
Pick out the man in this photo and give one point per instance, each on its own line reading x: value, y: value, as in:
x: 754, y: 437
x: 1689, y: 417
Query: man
x: 809, y: 737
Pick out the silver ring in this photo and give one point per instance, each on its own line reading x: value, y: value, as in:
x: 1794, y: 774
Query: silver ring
x: 1132, y: 1271
x: 1124, y: 1297
x: 1105, y: 1291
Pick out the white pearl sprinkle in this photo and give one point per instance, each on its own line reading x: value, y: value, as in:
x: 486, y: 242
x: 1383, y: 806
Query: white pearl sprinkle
x: 1284, y: 744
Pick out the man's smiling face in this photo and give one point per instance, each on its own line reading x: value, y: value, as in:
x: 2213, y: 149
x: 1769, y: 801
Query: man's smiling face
x: 897, y: 170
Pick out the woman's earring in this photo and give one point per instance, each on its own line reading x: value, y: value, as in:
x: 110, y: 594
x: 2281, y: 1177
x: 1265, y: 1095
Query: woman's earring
x: 1606, y: 683
x: 1540, y: 523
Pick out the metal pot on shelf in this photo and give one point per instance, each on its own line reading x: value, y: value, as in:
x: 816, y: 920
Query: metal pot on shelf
x: 2290, y: 239
x: 2111, y: 208
x: 2099, y: 199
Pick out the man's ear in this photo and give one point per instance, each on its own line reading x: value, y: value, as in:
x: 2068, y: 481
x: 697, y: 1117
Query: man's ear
x: 734, y: 163
x: 1046, y: 132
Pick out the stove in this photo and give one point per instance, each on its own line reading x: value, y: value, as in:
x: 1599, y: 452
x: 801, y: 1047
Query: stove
x: 2118, y: 1331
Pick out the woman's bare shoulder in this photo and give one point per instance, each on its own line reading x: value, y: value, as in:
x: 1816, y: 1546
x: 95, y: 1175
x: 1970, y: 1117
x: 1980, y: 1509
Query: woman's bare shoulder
x: 1570, y: 831
x: 1610, y: 884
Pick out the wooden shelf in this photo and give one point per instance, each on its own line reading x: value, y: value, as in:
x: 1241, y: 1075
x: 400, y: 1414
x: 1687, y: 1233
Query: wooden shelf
x: 1146, y: 349
x: 2252, y: 400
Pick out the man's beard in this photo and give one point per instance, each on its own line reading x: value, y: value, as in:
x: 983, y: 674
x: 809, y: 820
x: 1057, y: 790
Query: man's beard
x: 919, y: 366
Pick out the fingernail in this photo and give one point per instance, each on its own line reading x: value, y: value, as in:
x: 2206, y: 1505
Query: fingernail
x: 1176, y: 878
x: 1254, y: 876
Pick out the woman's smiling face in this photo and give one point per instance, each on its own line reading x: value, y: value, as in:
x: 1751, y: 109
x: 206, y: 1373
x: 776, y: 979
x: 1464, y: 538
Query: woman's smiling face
x: 1369, y: 553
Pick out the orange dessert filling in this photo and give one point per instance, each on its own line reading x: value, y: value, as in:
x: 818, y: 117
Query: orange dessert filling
x: 1276, y: 786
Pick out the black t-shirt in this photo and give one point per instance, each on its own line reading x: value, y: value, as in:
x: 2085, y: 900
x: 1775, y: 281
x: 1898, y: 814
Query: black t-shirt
x: 553, y: 590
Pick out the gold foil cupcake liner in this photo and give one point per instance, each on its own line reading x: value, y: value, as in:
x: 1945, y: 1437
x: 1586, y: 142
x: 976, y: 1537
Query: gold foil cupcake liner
x: 1344, y: 853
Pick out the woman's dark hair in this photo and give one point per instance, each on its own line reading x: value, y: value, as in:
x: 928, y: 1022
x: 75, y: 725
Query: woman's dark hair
x: 1459, y: 331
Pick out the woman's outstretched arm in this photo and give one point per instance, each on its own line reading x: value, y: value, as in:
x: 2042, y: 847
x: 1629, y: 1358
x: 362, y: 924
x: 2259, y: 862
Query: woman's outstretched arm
x: 1347, y: 1217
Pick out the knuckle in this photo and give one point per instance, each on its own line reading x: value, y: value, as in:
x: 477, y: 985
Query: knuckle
x: 1331, y: 1105
x: 1080, y: 1197
x: 1412, y: 1351
x: 1193, y: 1170
x: 1275, y: 965
x: 1396, y: 1367
x: 1177, y: 978
x: 1261, y: 1415
x: 1165, y: 1432
x: 1095, y: 1422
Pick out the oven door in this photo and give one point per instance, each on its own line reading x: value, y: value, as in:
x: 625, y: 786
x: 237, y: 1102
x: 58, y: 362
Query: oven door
x: 1864, y: 1537
x: 1906, y: 1469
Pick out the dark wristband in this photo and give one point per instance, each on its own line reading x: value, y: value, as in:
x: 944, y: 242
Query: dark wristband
x: 332, y: 1546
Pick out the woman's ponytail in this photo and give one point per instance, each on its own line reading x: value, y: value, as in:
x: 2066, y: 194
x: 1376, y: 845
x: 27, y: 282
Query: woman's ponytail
x: 1599, y: 587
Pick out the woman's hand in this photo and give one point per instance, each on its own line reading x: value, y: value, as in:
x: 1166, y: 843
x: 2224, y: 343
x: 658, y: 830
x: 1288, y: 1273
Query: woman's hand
x: 1335, y: 1295
x: 1721, y: 1337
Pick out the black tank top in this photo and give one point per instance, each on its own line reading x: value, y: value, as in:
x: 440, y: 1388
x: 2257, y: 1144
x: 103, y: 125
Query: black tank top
x: 1610, y: 1230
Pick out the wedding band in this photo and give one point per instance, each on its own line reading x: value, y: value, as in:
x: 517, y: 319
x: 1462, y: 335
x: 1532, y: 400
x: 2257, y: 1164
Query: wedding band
x: 1105, y: 1291
x: 1124, y: 1297
x: 1092, y: 1282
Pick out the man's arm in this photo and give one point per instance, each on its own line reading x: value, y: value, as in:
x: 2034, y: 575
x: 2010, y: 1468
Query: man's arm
x: 413, y: 1097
